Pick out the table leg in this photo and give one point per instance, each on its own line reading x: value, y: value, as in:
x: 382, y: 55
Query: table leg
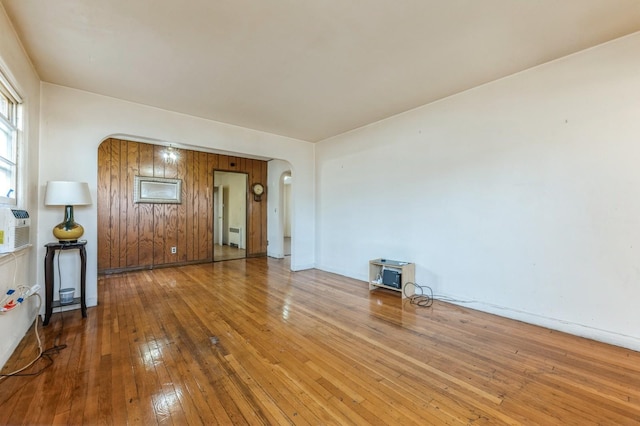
x: 48, y: 284
x: 83, y: 280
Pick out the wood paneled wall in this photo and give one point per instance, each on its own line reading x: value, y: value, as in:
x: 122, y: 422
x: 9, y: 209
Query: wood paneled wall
x: 136, y: 236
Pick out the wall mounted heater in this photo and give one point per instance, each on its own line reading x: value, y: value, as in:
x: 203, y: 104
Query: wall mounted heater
x: 235, y: 237
x: 14, y: 229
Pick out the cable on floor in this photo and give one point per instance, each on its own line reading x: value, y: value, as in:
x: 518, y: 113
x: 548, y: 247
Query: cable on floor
x: 424, y: 299
x: 425, y: 296
x: 35, y: 326
x: 44, y: 354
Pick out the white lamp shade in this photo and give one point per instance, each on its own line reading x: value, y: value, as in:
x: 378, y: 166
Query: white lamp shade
x: 62, y: 193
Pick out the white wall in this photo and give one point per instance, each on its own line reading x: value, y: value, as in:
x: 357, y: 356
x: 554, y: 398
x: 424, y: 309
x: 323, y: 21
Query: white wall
x: 76, y: 122
x: 18, y: 69
x: 275, y: 201
x: 522, y: 195
x: 286, y: 208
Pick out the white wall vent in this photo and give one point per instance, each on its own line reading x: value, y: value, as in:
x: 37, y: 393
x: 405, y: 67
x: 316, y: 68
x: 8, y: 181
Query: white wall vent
x: 235, y: 237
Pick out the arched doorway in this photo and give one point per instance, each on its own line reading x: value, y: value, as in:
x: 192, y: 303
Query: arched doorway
x: 286, y: 182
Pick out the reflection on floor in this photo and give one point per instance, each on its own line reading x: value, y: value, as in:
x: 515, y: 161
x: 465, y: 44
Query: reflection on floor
x: 287, y: 246
x: 227, y: 253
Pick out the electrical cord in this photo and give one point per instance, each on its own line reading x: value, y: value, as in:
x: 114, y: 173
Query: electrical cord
x: 59, y: 272
x: 16, y: 372
x: 426, y: 297
x: 44, y: 354
x: 453, y: 300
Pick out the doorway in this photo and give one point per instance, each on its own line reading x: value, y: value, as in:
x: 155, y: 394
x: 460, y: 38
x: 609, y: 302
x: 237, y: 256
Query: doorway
x: 286, y: 212
x: 229, y: 215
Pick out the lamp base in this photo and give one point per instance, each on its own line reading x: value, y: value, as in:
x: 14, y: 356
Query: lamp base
x: 68, y: 231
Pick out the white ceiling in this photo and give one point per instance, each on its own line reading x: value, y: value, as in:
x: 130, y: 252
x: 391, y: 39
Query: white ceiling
x: 308, y: 69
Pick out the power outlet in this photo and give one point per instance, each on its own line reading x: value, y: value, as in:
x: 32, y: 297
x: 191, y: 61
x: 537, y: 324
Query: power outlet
x: 174, y: 250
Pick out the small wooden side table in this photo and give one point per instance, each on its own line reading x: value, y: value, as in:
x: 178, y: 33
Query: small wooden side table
x: 48, y: 276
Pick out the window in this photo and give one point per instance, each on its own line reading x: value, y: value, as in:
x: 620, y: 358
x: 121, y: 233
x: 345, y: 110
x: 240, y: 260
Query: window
x: 10, y: 119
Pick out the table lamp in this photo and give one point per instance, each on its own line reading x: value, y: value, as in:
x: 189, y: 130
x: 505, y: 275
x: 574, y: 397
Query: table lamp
x: 68, y: 194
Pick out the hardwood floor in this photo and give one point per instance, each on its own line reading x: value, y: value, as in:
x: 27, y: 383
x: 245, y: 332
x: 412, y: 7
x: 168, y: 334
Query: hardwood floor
x: 227, y: 253
x: 248, y: 342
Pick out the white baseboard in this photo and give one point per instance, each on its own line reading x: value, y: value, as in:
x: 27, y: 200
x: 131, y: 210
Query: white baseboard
x: 605, y: 336
x: 302, y: 266
x: 340, y: 272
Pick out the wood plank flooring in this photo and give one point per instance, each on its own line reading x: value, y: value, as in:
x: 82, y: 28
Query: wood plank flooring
x: 223, y: 252
x: 248, y: 342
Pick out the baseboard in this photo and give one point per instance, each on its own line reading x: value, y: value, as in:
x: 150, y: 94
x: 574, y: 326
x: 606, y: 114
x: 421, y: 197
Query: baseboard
x: 344, y: 273
x: 604, y: 336
x: 302, y: 266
